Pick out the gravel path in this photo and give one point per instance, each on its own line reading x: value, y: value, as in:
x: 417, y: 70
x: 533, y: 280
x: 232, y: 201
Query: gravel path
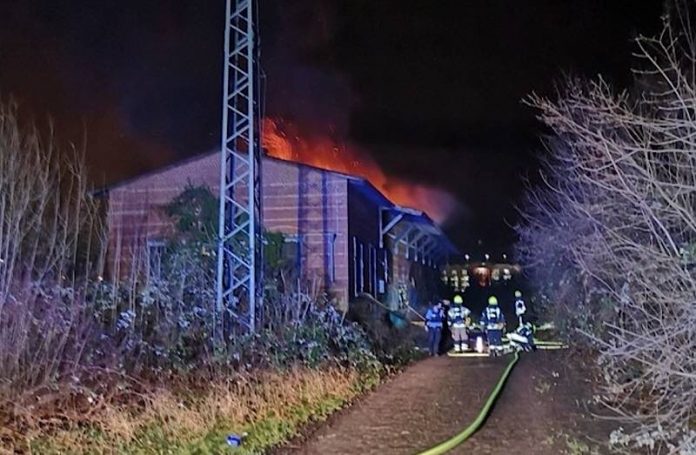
x: 537, y: 413
x: 424, y: 405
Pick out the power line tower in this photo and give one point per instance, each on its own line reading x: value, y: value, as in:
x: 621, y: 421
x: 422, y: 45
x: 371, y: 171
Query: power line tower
x: 239, y: 256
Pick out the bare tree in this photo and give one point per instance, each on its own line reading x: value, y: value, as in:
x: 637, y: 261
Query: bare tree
x: 50, y: 248
x: 611, y: 233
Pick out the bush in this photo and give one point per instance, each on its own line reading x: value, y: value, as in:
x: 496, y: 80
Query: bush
x: 393, y: 346
x: 322, y: 337
x: 196, y: 417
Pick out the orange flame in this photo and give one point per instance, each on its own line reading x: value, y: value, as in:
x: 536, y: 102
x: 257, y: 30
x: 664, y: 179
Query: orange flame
x: 284, y: 141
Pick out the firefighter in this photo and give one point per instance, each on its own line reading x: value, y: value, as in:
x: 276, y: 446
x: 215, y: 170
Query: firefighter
x: 457, y: 320
x: 493, y: 322
x: 520, y: 307
x: 433, y: 324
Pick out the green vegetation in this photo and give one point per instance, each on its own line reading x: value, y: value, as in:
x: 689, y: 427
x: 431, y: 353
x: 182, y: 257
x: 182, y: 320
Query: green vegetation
x: 94, y: 365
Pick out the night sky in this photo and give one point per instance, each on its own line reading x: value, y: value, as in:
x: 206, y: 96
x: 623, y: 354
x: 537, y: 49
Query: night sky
x: 431, y: 89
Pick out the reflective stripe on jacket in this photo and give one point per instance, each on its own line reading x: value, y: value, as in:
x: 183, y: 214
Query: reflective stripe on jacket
x: 492, y: 318
x: 456, y: 316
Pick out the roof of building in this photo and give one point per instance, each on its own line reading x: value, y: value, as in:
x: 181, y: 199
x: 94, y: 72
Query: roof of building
x: 424, y: 223
x: 414, y: 216
x: 105, y: 189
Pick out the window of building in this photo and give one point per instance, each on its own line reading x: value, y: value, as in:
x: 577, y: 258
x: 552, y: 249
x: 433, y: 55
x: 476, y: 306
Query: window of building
x: 355, y: 267
x: 373, y: 270
x: 385, y: 272
x: 155, y: 252
x: 291, y: 255
x: 292, y: 250
x: 362, y: 267
x: 331, y: 253
x: 369, y: 269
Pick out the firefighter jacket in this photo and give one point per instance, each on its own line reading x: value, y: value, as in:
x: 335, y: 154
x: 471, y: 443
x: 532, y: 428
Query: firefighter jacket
x: 520, y: 307
x: 492, y: 318
x: 457, y: 316
x: 526, y: 331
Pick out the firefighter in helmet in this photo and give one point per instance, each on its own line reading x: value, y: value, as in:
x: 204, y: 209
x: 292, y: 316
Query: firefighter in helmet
x: 520, y: 307
x: 493, y: 321
x: 457, y: 317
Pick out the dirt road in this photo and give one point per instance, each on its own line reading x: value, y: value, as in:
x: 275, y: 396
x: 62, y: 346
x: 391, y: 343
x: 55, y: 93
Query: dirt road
x: 538, y: 412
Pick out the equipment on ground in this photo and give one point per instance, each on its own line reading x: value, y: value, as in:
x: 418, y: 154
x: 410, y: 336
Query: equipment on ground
x: 551, y: 345
x: 236, y: 440
x: 449, y: 444
x: 545, y: 326
x: 522, y: 339
x: 398, y: 320
x: 468, y: 354
x: 479, y: 344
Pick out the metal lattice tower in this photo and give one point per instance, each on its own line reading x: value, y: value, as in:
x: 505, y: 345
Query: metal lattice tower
x: 239, y: 249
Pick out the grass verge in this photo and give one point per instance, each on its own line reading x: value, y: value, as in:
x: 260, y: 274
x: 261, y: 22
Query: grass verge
x: 270, y: 406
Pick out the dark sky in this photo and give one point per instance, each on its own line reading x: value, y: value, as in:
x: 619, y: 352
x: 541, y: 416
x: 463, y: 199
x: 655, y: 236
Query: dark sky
x: 431, y: 89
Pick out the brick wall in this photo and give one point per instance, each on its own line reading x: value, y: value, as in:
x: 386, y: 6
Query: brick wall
x: 299, y: 201
x: 312, y: 205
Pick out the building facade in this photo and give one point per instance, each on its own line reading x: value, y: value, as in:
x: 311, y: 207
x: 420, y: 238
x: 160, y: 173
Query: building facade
x: 347, y: 237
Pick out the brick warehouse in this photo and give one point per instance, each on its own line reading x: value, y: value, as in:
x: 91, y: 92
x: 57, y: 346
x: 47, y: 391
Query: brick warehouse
x: 347, y: 236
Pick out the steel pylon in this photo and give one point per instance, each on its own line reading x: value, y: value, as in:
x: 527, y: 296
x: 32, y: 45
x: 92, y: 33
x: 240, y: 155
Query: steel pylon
x: 239, y: 258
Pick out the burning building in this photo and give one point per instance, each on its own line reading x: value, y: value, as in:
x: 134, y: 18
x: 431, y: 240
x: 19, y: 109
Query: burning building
x: 344, y: 234
x: 287, y: 141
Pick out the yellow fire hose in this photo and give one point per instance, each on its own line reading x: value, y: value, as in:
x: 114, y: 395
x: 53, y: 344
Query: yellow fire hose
x: 453, y: 442
x: 459, y: 438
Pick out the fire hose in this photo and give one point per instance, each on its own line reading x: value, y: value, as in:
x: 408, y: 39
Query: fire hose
x: 459, y: 438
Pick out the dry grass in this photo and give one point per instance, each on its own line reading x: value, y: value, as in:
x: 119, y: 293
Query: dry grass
x: 270, y: 406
